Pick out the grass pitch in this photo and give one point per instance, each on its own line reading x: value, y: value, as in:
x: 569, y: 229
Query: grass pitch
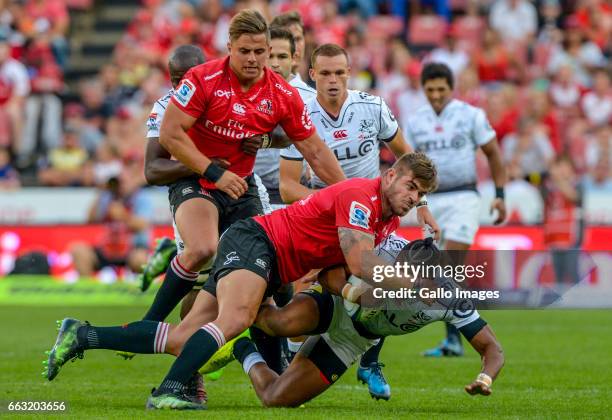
x: 557, y: 366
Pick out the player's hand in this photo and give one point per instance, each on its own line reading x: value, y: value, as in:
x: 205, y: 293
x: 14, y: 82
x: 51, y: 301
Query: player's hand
x: 117, y: 211
x: 251, y: 145
x: 222, y: 163
x: 232, y: 185
x: 425, y: 217
x: 478, y: 387
x: 499, y: 205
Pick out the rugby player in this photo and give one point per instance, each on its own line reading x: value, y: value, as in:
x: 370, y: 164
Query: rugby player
x: 282, y: 56
x: 451, y: 132
x: 216, y: 106
x: 353, y: 124
x: 340, y: 334
x: 340, y: 224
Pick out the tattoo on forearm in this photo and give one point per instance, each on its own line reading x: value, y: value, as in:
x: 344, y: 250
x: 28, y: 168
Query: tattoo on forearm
x: 351, y: 237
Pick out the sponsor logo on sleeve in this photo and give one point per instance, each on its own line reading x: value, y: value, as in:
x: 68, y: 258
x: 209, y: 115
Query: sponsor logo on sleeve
x: 359, y: 215
x: 283, y: 89
x: 184, y: 92
x: 152, y: 121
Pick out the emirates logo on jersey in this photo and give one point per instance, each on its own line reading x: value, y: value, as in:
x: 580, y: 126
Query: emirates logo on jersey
x: 340, y: 134
x: 265, y: 106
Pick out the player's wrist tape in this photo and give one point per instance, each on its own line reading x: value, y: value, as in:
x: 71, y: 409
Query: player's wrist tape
x: 499, y: 192
x: 213, y: 172
x: 266, y: 141
x: 422, y: 203
x: 484, y: 379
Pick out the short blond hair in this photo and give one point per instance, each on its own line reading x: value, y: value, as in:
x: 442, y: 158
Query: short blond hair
x: 327, y: 50
x: 248, y: 22
x: 422, y: 169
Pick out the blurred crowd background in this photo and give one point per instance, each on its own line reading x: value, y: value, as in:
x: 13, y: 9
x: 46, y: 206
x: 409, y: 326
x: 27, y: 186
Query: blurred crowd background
x: 540, y: 69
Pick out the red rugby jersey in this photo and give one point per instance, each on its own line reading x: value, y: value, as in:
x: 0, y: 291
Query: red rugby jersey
x: 225, y: 115
x: 305, y: 234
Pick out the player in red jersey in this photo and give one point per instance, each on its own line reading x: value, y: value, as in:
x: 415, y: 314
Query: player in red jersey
x: 340, y: 224
x: 215, y: 108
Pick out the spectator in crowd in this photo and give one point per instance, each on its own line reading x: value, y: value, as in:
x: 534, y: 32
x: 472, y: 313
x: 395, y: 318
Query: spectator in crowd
x: 529, y: 147
x: 450, y: 53
x: 599, y: 179
x: 515, y: 20
x: 537, y: 106
x: 469, y: 88
x: 9, y: 177
x: 597, y: 104
x: 599, y: 146
x: 563, y: 224
x: 493, y: 61
x: 565, y: 92
x: 67, y: 164
x: 578, y: 52
x: 49, y: 17
x: 125, y: 212
x: 43, y: 107
x: 413, y: 97
x: 107, y: 164
x: 14, y: 88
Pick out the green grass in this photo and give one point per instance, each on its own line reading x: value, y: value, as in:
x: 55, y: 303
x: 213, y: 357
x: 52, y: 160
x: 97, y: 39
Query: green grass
x: 557, y: 366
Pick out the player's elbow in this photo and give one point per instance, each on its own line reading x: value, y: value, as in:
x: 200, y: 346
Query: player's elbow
x: 286, y: 192
x: 152, y: 176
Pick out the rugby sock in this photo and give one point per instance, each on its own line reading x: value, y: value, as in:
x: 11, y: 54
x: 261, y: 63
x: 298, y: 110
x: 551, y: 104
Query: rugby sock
x: 178, y: 282
x: 293, y: 346
x: 137, y: 337
x: 452, y: 333
x: 197, y: 350
x: 246, y: 353
x: 270, y: 349
x: 371, y: 356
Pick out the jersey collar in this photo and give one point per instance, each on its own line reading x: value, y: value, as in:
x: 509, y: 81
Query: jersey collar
x: 253, y: 91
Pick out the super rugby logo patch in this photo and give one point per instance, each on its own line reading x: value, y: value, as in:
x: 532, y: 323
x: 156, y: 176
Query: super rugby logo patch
x: 359, y: 215
x: 184, y: 92
x: 152, y: 121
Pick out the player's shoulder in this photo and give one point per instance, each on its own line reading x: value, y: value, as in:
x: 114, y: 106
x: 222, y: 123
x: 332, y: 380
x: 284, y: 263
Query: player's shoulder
x: 365, y: 98
x: 280, y: 87
x: 162, y: 102
x: 306, y: 92
x: 360, y: 186
x: 209, y: 70
x: 465, y: 108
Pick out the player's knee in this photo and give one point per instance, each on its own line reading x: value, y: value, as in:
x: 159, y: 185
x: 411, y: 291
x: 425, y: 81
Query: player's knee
x: 195, y: 256
x: 241, y: 320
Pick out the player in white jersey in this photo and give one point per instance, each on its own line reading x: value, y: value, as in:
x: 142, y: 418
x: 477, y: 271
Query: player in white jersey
x: 352, y: 124
x: 341, y: 332
x: 450, y: 132
x: 282, y: 57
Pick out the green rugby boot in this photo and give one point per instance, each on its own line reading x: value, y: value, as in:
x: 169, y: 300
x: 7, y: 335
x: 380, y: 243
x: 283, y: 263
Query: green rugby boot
x: 172, y: 400
x: 67, y: 347
x: 158, y: 262
x: 222, y: 357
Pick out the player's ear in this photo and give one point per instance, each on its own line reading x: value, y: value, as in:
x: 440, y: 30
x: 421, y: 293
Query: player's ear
x: 311, y: 73
x: 229, y: 47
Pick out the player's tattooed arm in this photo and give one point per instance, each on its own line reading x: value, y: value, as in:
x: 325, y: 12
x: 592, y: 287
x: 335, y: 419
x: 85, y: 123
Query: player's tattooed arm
x: 358, y: 249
